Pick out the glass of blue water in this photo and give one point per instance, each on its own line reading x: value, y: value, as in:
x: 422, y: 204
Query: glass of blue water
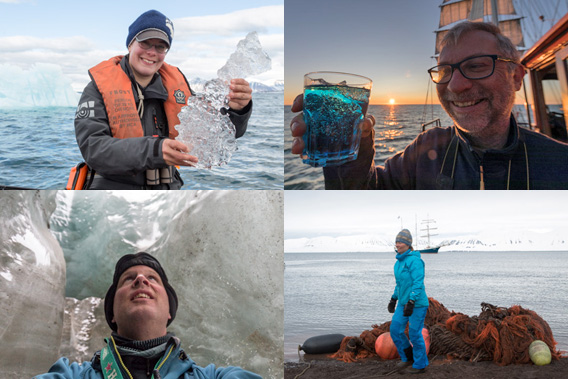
x: 335, y: 104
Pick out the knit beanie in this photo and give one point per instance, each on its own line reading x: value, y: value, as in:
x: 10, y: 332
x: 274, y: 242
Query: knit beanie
x: 404, y: 236
x: 151, y: 24
x: 123, y: 264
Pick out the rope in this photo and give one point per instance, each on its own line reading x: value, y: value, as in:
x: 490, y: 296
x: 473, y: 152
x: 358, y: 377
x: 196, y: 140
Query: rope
x: 302, y: 373
x: 141, y: 101
x: 527, y: 163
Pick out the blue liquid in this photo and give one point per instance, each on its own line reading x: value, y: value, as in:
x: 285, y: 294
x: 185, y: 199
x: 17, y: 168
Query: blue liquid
x: 333, y: 116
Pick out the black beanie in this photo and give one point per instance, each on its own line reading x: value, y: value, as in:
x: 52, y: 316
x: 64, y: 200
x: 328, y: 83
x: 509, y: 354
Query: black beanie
x: 123, y: 264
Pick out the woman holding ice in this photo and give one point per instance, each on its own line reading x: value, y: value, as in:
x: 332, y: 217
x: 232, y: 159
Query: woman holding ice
x: 125, y: 122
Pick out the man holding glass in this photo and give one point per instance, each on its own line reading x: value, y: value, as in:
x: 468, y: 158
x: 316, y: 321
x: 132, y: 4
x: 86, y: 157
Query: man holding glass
x: 125, y: 122
x: 476, y: 80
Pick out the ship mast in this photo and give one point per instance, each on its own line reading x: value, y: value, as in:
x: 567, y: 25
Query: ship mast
x: 428, y: 229
x: 494, y: 13
x: 454, y: 11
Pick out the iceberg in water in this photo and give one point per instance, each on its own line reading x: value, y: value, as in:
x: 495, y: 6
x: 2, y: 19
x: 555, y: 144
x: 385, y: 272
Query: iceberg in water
x: 58, y: 244
x: 43, y: 85
x: 205, y: 126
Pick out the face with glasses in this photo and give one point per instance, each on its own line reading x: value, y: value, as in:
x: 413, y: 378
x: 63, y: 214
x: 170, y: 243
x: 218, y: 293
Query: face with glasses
x: 476, y: 85
x: 146, y: 58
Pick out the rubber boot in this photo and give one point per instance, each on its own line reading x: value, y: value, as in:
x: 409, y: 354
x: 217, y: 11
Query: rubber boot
x: 402, y: 365
x: 412, y: 370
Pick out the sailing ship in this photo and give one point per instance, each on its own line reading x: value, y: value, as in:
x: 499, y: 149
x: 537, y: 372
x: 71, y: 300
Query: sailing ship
x: 539, y: 29
x: 429, y: 231
x: 546, y: 64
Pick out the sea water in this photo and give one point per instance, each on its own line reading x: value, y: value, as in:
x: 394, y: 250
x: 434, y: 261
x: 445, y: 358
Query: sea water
x: 39, y: 148
x: 333, y: 114
x: 396, y: 126
x: 348, y: 292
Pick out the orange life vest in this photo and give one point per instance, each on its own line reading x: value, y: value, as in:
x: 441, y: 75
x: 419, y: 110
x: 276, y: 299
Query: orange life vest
x: 116, y: 89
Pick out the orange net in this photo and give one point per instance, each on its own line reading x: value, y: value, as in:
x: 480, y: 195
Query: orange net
x: 502, y: 335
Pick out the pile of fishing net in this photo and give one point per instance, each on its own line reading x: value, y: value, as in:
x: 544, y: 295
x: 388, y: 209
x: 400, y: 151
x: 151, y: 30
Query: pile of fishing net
x: 502, y: 335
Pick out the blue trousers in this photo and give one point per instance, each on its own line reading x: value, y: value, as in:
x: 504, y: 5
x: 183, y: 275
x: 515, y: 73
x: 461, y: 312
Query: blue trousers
x: 400, y: 340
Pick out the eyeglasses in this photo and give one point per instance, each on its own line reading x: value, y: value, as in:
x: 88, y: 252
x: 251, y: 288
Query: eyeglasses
x: 473, y: 68
x: 160, y: 47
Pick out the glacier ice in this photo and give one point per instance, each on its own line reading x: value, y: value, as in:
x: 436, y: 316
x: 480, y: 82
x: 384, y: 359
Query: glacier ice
x: 120, y: 227
x: 205, y: 126
x: 222, y: 251
x: 43, y: 85
x: 32, y: 284
x: 248, y: 59
x: 84, y: 328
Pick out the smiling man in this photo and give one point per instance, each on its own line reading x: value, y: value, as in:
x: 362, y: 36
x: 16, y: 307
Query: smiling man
x: 476, y: 79
x: 125, y: 122
x: 139, y: 305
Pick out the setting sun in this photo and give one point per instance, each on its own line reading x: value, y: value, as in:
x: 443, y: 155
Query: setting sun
x: 391, y: 101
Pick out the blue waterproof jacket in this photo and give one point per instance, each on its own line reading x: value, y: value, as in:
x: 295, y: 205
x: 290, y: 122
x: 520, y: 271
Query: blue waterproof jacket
x: 409, y: 275
x: 176, y: 365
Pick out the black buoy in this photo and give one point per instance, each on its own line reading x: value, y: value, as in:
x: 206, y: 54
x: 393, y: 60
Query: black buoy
x: 325, y: 344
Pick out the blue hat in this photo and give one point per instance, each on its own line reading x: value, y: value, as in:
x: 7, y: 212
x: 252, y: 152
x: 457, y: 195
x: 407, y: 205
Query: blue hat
x: 151, y: 24
x: 404, y: 236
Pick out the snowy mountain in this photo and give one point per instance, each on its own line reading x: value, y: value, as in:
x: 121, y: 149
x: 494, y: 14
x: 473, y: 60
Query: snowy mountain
x: 495, y: 240
x: 278, y: 86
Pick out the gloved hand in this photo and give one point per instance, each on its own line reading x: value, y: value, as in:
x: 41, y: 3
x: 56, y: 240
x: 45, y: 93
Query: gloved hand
x: 392, y: 305
x: 408, y: 308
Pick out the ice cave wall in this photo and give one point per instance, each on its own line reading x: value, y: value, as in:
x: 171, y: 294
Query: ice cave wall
x: 222, y: 250
x: 32, y: 284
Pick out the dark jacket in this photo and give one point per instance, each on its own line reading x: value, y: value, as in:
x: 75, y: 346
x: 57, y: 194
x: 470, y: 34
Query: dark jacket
x: 442, y: 158
x: 122, y: 163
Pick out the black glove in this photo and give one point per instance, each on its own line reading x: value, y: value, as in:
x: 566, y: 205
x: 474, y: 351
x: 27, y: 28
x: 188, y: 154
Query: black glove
x: 408, y: 308
x: 392, y: 305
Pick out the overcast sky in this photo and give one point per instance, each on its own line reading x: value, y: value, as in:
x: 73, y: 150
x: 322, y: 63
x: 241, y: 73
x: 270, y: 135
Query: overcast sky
x: 79, y: 34
x: 335, y: 213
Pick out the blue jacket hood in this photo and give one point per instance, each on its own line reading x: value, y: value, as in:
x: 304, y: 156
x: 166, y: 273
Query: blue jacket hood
x: 407, y: 253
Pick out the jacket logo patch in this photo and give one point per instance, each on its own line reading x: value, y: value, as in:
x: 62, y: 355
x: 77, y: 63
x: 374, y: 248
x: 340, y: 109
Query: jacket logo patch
x: 85, y: 110
x: 179, y: 96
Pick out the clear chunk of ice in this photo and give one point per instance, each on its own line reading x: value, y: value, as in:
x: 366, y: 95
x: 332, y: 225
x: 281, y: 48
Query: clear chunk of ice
x: 248, y: 59
x: 205, y: 126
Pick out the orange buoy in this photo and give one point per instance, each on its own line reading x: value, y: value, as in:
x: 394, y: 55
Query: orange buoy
x: 385, y: 348
x: 426, y: 337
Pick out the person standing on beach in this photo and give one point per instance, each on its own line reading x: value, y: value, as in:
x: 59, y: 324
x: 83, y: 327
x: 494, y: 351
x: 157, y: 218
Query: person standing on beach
x: 125, y: 122
x: 476, y: 78
x: 412, y: 306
